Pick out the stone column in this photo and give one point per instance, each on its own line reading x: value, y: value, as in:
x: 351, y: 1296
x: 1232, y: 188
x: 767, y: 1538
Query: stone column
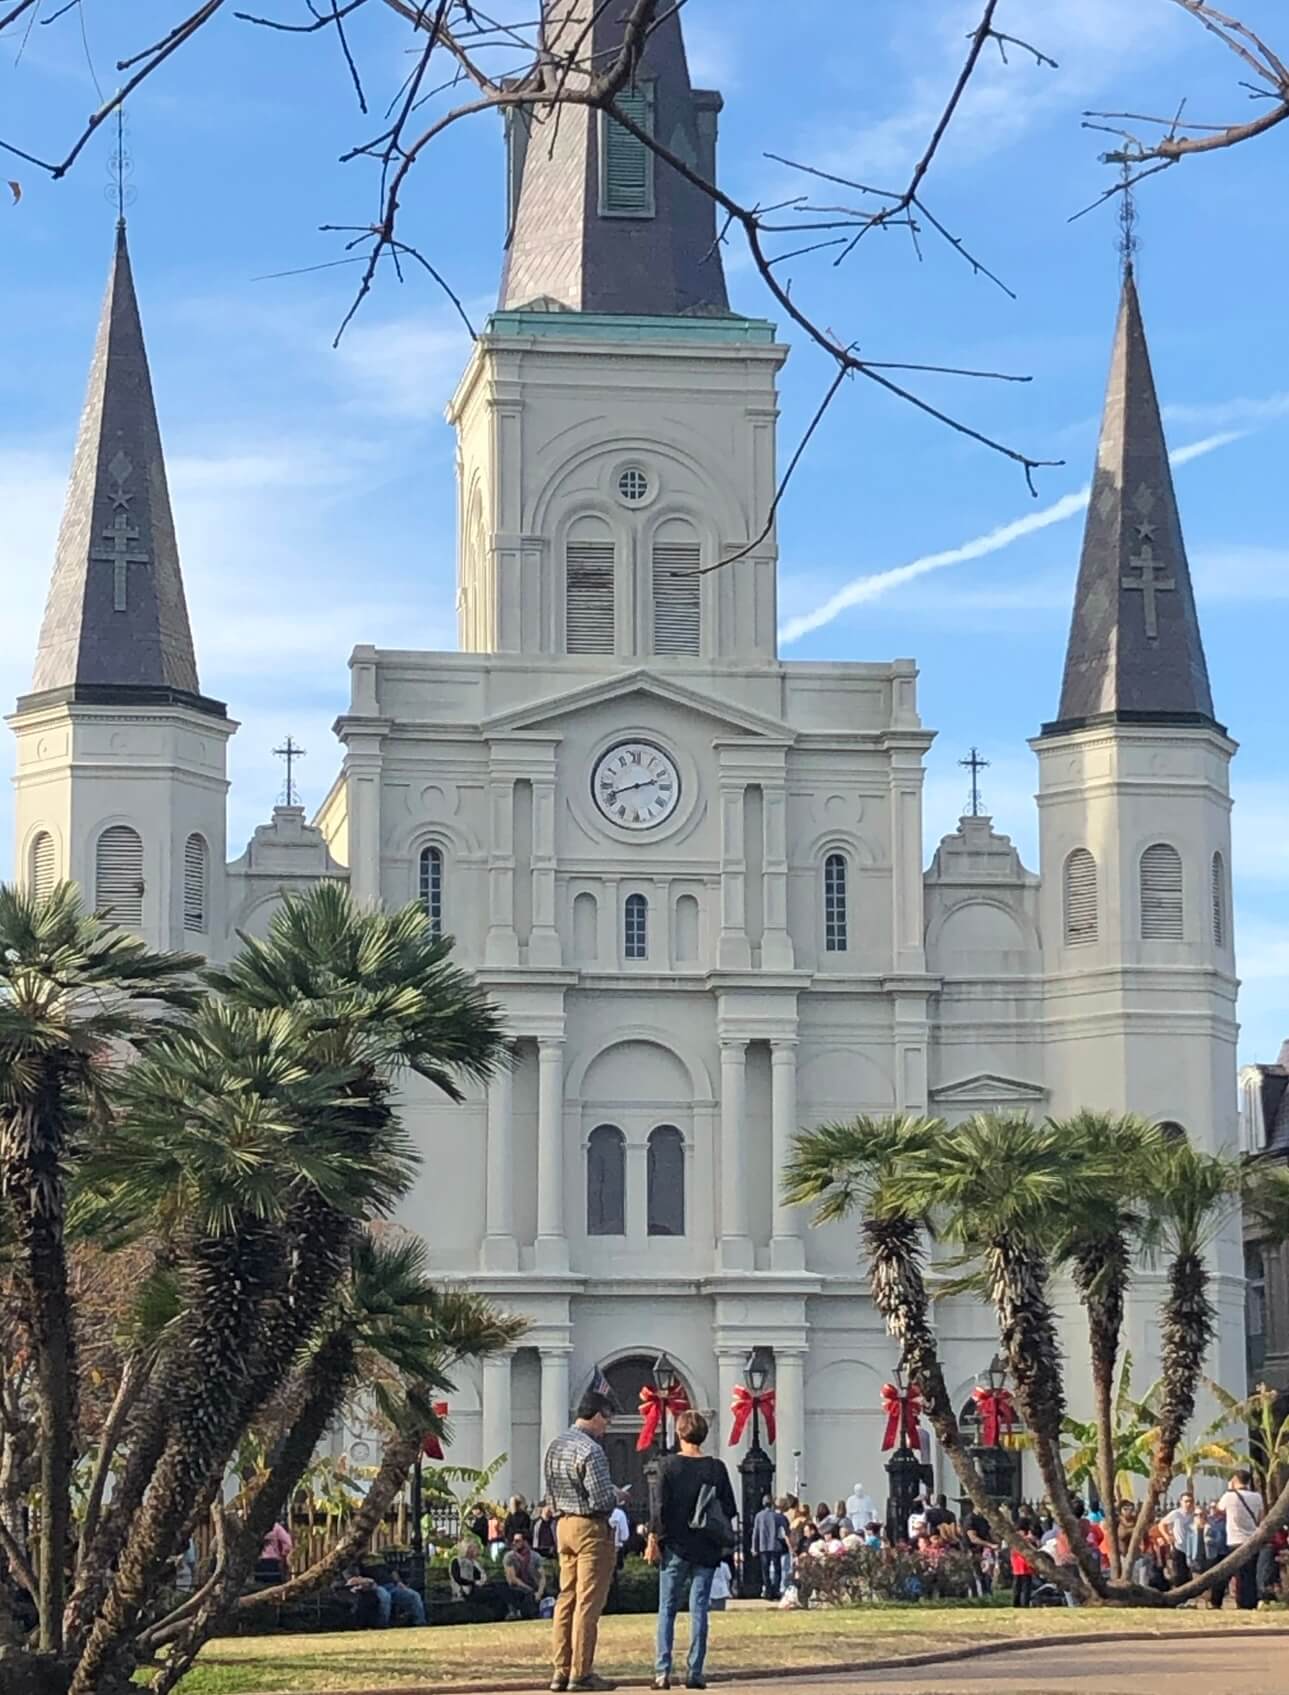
x: 555, y: 1407
x: 502, y: 944
x: 790, y: 1407
x: 736, y: 1244
x: 776, y: 944
x: 498, y: 1433
x: 787, y: 1251
x: 363, y: 781
x: 500, y: 1251
x: 729, y: 1374
x: 543, y: 943
x: 908, y: 950
x: 552, y: 1244
x: 734, y: 952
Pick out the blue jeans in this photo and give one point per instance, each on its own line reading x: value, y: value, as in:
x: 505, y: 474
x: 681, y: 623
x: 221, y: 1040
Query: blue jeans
x: 672, y: 1579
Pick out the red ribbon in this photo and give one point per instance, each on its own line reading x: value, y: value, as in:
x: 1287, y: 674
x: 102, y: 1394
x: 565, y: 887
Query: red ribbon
x: 997, y: 1413
x: 654, y: 1405
x: 902, y: 1409
x: 431, y: 1446
x: 741, y: 1404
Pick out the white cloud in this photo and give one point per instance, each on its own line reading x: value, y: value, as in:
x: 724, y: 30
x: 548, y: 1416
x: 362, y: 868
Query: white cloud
x: 878, y: 583
x: 1243, y: 410
x: 405, y: 367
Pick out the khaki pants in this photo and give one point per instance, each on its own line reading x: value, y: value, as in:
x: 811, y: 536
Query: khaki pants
x: 587, y: 1562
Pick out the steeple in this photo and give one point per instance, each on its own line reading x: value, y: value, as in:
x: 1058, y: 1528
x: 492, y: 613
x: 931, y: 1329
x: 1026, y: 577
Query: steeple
x: 597, y: 222
x: 1135, y: 655
x: 116, y: 628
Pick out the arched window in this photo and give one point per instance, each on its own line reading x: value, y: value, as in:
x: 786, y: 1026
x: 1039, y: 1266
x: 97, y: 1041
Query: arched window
x: 118, y: 876
x: 635, y: 936
x: 666, y: 1181
x: 431, y: 887
x: 1080, y: 897
x: 195, y: 883
x: 1171, y: 1130
x: 585, y: 926
x: 1161, y: 894
x: 686, y: 946
x: 589, y: 564
x: 40, y: 866
x: 677, y: 589
x: 1218, y: 880
x: 835, y: 916
x: 606, y: 1182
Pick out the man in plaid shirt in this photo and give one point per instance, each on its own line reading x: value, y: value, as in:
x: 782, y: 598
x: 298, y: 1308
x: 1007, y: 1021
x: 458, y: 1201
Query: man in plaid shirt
x: 582, y: 1492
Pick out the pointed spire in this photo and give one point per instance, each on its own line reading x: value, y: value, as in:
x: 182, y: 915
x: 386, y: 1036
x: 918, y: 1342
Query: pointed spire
x: 116, y: 623
x: 1135, y: 653
x: 622, y: 232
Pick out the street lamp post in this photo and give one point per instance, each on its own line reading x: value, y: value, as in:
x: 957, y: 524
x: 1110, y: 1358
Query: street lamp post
x: 756, y: 1470
x: 903, y: 1469
x: 996, y: 1464
x: 665, y: 1379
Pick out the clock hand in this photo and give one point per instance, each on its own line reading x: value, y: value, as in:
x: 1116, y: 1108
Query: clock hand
x: 648, y: 782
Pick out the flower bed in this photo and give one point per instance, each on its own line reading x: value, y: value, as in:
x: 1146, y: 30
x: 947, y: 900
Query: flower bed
x: 848, y: 1577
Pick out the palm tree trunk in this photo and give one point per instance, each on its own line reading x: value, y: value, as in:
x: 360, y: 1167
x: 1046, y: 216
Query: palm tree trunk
x: 1103, y: 1396
x: 1101, y: 1272
x: 1027, y: 1331
x: 34, y: 1143
x: 1187, y: 1323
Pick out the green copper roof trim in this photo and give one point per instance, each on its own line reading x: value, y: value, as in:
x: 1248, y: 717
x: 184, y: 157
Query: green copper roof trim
x: 613, y: 326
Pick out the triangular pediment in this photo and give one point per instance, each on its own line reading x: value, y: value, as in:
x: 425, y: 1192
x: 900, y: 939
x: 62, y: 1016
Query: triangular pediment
x: 988, y: 1088
x: 736, y: 720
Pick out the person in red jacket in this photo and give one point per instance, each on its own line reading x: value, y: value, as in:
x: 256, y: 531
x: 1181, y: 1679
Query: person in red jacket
x: 1022, y: 1571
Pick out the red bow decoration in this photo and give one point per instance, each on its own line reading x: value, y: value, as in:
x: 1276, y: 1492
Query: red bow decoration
x: 431, y: 1446
x: 902, y: 1407
x: 741, y: 1404
x: 997, y: 1413
x: 654, y: 1405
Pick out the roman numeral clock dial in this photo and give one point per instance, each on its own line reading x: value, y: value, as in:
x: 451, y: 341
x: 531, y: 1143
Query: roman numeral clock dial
x: 635, y: 785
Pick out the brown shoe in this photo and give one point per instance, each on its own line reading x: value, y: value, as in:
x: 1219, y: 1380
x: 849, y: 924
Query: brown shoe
x: 592, y: 1680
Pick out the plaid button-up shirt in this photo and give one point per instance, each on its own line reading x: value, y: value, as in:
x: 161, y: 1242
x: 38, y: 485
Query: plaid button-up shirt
x: 577, y: 1476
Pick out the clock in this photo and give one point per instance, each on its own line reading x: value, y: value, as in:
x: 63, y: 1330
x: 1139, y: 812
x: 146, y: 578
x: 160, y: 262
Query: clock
x: 635, y: 785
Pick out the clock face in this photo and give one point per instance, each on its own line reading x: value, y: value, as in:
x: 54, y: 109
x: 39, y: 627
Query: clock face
x: 635, y: 785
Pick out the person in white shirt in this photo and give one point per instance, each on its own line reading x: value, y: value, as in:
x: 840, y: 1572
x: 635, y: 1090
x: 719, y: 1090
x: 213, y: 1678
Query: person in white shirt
x: 1179, y: 1526
x: 620, y: 1525
x: 917, y: 1518
x: 861, y: 1509
x: 1243, y: 1508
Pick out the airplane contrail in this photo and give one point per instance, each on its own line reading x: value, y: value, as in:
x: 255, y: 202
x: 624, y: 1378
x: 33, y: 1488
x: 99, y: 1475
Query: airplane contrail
x: 872, y: 587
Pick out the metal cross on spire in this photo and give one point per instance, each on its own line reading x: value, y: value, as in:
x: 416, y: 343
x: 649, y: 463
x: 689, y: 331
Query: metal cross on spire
x: 119, y: 166
x: 290, y: 753
x: 975, y: 764
x: 1127, y: 219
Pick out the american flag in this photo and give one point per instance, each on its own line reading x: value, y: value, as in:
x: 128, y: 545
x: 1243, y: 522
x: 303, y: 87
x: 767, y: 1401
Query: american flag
x: 600, y: 1384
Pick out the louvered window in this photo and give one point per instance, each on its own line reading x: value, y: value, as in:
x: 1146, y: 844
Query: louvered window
x: 195, y: 884
x: 835, y: 916
x: 118, y: 876
x: 636, y: 933
x: 1161, y: 894
x: 41, y: 866
x: 588, y: 604
x: 676, y: 589
x: 1219, y: 901
x: 432, y: 887
x: 626, y: 164
x: 1080, y: 897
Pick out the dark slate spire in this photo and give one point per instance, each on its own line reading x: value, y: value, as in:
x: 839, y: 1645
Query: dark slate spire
x: 1135, y: 654
x: 116, y: 624
x: 650, y: 248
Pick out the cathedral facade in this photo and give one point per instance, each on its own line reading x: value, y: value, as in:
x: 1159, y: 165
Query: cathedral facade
x: 691, y: 872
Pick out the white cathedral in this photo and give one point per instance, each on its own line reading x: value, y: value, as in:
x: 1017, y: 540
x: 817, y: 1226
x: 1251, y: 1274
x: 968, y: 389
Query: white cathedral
x: 692, y: 873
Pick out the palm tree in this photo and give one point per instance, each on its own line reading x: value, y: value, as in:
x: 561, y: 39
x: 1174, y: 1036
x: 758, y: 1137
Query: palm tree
x: 857, y: 1168
x: 1097, y: 1240
x: 272, y: 1116
x: 997, y: 1184
x: 72, y: 991
x: 1191, y: 1194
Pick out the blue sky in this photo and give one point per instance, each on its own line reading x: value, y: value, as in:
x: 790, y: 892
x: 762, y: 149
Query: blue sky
x: 314, y: 489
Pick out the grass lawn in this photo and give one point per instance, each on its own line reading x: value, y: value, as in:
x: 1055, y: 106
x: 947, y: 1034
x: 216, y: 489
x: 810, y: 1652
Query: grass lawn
x: 745, y: 1637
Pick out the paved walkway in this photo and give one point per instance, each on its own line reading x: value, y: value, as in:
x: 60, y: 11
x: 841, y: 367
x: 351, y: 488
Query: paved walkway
x: 1241, y: 1666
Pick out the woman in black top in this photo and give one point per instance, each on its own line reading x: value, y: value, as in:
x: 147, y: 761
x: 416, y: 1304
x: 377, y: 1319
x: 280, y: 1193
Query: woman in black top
x: 687, y: 1556
x: 476, y: 1524
x: 519, y: 1521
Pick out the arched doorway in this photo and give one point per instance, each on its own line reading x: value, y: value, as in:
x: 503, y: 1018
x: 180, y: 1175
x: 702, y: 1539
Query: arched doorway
x: 626, y: 1377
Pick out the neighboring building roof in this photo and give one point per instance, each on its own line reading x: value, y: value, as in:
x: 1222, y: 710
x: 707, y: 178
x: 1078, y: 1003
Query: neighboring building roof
x: 1135, y: 653
x: 564, y: 253
x: 116, y: 623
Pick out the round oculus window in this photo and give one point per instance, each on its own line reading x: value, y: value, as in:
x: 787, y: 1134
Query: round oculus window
x: 633, y: 485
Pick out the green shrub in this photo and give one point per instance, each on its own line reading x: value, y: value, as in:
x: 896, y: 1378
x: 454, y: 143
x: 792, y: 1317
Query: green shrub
x: 861, y: 1575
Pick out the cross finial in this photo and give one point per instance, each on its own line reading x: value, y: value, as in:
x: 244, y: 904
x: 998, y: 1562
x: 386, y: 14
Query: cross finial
x: 119, y: 166
x: 290, y: 753
x: 1127, y: 220
x: 975, y: 764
